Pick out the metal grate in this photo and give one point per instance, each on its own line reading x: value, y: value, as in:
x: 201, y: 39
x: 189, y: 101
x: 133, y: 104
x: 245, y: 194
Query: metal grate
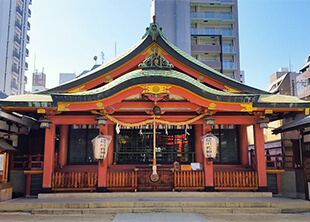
x: 173, y: 143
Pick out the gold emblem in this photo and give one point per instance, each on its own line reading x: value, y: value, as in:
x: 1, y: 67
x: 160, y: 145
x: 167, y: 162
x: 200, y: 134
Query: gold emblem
x: 63, y: 107
x: 109, y: 78
x: 212, y: 105
x: 99, y: 104
x: 247, y: 107
x: 156, y: 89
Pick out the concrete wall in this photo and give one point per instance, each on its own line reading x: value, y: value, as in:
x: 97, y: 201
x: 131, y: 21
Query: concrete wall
x: 18, y: 179
x: 288, y: 184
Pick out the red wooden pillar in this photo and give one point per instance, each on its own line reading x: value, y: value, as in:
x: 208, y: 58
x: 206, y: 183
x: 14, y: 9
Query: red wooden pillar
x: 63, y: 143
x: 208, y: 165
x: 243, y: 140
x: 198, y: 150
x: 102, y: 166
x: 110, y: 151
x: 49, y: 153
x: 28, y: 184
x: 259, y: 142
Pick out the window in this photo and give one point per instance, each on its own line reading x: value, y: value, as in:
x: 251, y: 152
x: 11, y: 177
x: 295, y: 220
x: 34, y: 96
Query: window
x: 80, y: 146
x: 228, y: 144
x: 135, y: 145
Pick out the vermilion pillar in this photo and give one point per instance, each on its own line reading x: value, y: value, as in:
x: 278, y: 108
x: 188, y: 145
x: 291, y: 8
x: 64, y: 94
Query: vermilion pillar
x: 110, y: 151
x: 102, y: 166
x: 259, y: 142
x: 63, y: 143
x: 49, y: 153
x: 208, y: 165
x: 198, y: 150
x: 243, y: 143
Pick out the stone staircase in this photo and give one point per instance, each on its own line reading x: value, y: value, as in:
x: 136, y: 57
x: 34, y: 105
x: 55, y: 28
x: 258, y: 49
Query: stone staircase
x: 176, y: 202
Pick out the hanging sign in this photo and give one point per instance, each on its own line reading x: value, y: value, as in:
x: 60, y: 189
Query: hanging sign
x: 209, y: 144
x: 100, y: 146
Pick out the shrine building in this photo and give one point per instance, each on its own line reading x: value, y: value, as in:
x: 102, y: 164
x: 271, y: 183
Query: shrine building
x: 153, y: 106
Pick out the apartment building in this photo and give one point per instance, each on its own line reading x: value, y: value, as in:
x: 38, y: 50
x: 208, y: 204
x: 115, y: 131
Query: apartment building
x: 205, y: 29
x: 38, y: 81
x: 14, y: 25
x: 303, y: 80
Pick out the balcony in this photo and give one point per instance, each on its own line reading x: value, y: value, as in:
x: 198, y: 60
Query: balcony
x: 28, y: 39
x: 16, y: 54
x: 206, y: 48
x: 18, y: 25
x: 214, y: 1
x: 15, y: 69
x: 228, y: 49
x: 27, y: 52
x: 26, y: 66
x: 19, y: 10
x: 228, y: 65
x: 28, y: 25
x: 212, y: 15
x: 213, y: 64
x: 29, y: 13
x: 14, y: 85
x: 17, y: 39
x: 213, y: 31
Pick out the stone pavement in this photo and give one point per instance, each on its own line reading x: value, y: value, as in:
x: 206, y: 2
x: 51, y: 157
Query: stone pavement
x: 158, y: 217
x: 155, y: 206
x: 27, y: 217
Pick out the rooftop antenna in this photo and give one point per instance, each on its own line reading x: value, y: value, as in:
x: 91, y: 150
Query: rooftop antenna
x: 290, y: 64
x: 115, y: 50
x: 95, y: 58
x: 102, y: 57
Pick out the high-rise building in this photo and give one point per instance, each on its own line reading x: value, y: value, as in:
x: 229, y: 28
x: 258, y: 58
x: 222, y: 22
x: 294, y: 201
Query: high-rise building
x: 38, y: 81
x: 205, y: 29
x: 14, y: 25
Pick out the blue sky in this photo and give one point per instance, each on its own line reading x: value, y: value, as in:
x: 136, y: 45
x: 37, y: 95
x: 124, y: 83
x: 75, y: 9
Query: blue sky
x: 65, y: 35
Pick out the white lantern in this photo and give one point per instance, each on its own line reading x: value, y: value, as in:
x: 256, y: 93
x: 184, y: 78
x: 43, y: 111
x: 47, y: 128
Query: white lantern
x: 209, y: 144
x: 100, y: 146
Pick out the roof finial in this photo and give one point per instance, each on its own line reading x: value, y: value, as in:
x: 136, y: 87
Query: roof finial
x: 154, y: 19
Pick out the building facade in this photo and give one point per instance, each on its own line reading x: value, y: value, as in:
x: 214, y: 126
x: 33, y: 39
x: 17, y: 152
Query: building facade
x: 303, y: 80
x: 38, y: 81
x: 14, y: 25
x: 205, y: 29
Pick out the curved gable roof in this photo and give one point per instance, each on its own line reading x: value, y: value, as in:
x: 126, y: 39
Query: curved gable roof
x: 133, y: 56
x: 140, y: 77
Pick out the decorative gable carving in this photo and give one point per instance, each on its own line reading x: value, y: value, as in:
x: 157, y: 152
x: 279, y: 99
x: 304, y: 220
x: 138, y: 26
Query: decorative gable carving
x: 156, y: 61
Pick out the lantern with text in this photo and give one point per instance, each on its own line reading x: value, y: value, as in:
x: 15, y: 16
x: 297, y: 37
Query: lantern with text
x: 209, y: 144
x: 100, y: 146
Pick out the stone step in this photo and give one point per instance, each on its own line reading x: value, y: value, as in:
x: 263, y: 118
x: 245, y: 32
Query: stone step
x: 188, y: 206
x: 216, y: 210
x: 78, y: 195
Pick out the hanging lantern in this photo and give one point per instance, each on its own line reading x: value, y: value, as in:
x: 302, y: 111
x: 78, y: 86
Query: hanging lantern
x: 100, y: 146
x: 45, y: 123
x: 209, y: 144
x: 263, y: 123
